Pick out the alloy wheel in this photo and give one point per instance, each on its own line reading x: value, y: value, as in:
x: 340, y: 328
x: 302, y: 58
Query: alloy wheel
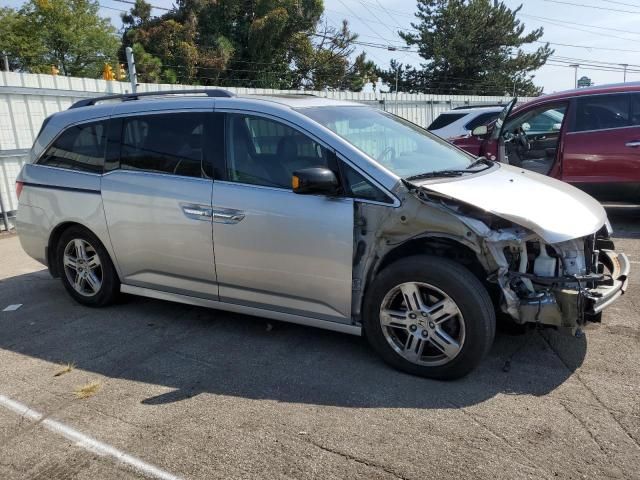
x: 82, y: 267
x: 422, y: 324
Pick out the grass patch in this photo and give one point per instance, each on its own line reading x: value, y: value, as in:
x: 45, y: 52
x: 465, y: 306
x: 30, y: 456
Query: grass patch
x: 88, y: 390
x: 65, y: 368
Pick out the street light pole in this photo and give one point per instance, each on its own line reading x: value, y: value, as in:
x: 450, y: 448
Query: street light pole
x: 575, y: 76
x: 624, y: 74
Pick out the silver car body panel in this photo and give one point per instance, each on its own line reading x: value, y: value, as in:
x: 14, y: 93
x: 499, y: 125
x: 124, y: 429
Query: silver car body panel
x: 554, y: 210
x: 244, y: 309
x: 159, y: 241
x: 52, y: 197
x: 289, y: 252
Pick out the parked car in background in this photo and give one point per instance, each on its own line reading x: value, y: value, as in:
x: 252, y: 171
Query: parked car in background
x: 313, y: 211
x: 462, y: 120
x: 588, y: 137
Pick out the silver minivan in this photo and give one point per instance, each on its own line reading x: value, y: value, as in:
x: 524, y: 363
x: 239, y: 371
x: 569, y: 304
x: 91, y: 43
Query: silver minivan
x: 324, y: 213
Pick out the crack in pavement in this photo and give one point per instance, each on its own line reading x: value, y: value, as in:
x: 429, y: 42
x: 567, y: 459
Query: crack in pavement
x: 584, y: 425
x: 528, y: 462
x: 600, y: 402
x: 354, y: 458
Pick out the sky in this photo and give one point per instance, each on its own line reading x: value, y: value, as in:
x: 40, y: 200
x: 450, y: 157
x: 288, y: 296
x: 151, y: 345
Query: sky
x: 585, y: 32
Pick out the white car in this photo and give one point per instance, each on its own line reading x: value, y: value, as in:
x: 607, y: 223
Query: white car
x: 461, y: 121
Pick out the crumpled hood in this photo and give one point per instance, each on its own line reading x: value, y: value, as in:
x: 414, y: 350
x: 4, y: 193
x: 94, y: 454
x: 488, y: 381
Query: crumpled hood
x: 554, y: 210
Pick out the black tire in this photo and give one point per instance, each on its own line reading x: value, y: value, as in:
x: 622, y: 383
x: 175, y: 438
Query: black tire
x: 469, y: 295
x: 110, y: 283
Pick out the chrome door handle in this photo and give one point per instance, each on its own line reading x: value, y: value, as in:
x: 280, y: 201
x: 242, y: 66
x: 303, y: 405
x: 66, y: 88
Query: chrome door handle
x: 196, y: 212
x: 633, y: 144
x: 227, y: 216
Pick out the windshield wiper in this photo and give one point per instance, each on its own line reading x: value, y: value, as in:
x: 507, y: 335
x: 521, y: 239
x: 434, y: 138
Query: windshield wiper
x: 454, y: 173
x: 438, y: 173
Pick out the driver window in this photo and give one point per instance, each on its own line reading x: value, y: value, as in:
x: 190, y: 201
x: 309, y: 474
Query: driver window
x: 163, y: 143
x: 543, y: 121
x: 261, y: 151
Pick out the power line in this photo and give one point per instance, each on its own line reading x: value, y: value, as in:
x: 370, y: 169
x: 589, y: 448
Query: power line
x: 589, y: 47
x: 562, y: 21
x: 602, y: 34
x: 393, y: 32
x: 592, y: 6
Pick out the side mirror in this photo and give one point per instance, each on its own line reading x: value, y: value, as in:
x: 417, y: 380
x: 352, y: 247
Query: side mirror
x: 314, y: 180
x: 480, y: 131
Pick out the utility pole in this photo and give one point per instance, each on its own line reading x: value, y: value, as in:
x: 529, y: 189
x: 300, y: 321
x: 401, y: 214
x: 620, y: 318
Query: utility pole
x: 6, y: 62
x: 624, y: 74
x: 397, y: 70
x: 133, y: 77
x: 575, y: 76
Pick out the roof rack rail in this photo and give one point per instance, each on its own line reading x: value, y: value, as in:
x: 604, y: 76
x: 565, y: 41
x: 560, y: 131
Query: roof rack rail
x: 209, y: 92
x: 479, y: 105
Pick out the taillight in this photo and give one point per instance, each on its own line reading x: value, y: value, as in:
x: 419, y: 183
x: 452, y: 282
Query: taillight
x: 19, y: 186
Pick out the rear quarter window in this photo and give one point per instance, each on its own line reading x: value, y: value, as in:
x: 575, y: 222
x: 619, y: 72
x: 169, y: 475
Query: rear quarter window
x: 481, y: 119
x: 80, y: 147
x: 445, y: 119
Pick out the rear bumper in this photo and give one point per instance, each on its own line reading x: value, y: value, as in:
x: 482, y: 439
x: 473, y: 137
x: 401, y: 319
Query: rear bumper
x: 600, y: 297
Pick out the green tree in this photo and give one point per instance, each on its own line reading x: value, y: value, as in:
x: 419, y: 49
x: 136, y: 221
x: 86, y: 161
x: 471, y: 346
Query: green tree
x: 472, y: 46
x: 263, y: 43
x: 66, y: 33
x: 16, y: 41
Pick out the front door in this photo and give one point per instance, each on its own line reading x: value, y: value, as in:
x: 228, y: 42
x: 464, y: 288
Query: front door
x: 157, y: 201
x: 276, y: 249
x: 602, y: 147
x: 532, y: 138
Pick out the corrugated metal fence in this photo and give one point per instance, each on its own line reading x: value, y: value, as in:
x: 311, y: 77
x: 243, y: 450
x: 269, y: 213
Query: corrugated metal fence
x: 27, y: 99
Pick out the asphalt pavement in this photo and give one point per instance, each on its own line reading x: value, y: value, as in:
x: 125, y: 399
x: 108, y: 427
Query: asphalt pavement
x: 179, y: 392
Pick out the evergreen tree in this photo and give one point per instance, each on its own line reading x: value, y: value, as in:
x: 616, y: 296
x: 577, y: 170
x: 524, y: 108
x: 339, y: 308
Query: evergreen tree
x: 471, y: 46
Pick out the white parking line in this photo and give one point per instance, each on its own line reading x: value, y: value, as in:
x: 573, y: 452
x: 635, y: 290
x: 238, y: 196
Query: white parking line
x: 85, y: 441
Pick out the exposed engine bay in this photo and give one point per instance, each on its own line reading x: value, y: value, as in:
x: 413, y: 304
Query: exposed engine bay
x: 563, y: 284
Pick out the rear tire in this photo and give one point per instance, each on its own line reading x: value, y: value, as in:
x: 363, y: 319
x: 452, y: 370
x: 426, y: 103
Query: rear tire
x: 429, y: 316
x: 86, y: 270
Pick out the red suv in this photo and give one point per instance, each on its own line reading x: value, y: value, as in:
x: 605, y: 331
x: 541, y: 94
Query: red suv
x: 589, y: 137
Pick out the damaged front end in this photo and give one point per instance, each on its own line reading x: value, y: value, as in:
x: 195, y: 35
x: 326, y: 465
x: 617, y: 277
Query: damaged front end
x: 528, y: 259
x: 563, y: 284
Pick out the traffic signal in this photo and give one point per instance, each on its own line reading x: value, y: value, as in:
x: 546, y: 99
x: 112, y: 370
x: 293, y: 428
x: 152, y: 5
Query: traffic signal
x: 121, y: 74
x: 54, y: 70
x: 107, y: 72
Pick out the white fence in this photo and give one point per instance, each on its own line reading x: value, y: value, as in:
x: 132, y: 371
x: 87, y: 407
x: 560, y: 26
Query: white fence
x: 27, y: 99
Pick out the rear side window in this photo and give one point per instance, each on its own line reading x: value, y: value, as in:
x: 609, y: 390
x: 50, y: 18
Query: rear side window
x: 482, y: 119
x: 445, y: 119
x: 164, y: 143
x: 80, y: 147
x: 603, y: 112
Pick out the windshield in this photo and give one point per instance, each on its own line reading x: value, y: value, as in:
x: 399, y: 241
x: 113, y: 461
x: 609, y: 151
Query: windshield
x: 400, y: 146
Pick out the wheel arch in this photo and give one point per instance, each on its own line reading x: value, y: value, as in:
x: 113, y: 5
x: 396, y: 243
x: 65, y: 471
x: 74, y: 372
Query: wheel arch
x: 54, y: 238
x: 436, y: 244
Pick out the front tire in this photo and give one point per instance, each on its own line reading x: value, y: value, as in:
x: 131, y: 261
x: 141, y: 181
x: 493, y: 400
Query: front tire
x: 85, y: 267
x: 429, y: 316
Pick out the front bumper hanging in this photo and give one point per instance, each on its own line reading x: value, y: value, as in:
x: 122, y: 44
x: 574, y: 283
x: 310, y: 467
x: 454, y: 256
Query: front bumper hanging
x: 600, y: 297
x: 572, y: 301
